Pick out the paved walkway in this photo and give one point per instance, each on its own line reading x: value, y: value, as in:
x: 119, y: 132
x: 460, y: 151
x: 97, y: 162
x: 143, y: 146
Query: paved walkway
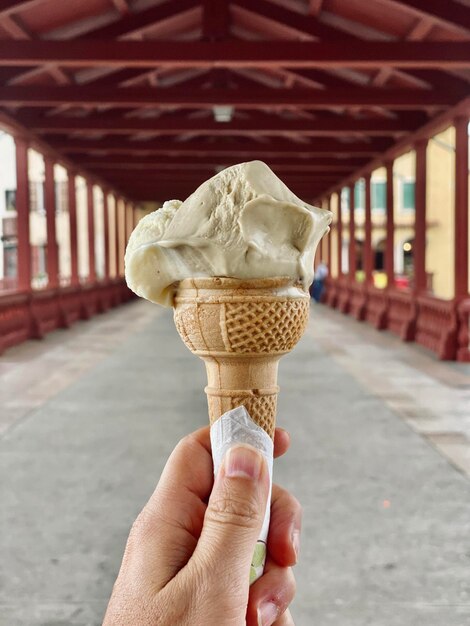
x: 380, y: 460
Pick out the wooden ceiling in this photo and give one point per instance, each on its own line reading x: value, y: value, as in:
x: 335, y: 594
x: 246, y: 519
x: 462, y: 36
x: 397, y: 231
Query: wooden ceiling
x: 132, y: 90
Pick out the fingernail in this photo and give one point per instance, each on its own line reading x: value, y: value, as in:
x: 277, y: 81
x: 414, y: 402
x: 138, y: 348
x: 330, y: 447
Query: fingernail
x: 296, y: 542
x: 267, y: 614
x: 243, y: 461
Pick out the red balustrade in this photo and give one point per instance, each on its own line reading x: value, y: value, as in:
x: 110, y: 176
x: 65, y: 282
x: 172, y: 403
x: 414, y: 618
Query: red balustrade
x: 377, y: 307
x: 358, y: 301
x: 330, y: 294
x: 436, y: 326
x: 30, y: 315
x: 401, y: 314
x: 343, y: 294
x: 463, y: 335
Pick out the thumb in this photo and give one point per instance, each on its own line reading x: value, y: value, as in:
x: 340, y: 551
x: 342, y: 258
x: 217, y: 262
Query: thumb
x: 234, y: 515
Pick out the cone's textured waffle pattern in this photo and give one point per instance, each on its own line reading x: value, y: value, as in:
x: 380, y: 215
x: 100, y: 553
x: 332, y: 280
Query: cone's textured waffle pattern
x: 241, y: 328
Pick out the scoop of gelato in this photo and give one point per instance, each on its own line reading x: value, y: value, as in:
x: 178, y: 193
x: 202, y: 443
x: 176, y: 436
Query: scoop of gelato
x: 242, y: 223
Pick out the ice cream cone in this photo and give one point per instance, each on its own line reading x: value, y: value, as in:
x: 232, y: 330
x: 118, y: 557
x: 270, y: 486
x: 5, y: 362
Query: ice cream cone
x: 241, y: 328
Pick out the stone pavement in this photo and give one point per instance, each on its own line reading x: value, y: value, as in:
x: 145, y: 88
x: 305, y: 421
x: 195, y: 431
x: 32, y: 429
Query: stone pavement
x: 379, y: 460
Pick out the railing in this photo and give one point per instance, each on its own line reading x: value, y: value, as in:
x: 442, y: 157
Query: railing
x: 442, y: 326
x: 344, y: 295
x: 27, y: 315
x: 463, y: 336
x: 377, y: 307
x: 401, y: 314
x: 330, y: 294
x: 436, y: 326
x: 8, y: 284
x: 358, y: 301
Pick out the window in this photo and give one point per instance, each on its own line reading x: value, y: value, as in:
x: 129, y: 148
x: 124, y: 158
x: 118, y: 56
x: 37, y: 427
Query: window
x: 379, y: 195
x: 345, y: 199
x: 10, y: 259
x: 10, y: 199
x: 409, y: 195
x: 36, y: 196
x: 61, y: 196
x: 359, y: 194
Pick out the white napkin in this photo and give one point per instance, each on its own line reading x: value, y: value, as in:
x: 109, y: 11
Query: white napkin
x: 233, y: 427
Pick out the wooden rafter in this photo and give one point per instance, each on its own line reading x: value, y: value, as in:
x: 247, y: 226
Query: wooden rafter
x: 8, y: 7
x: 262, y: 125
x: 121, y: 6
x: 308, y: 26
x: 448, y: 13
x: 203, y: 98
x: 315, y: 6
x: 14, y: 27
x: 359, y: 54
x: 322, y: 163
x: 130, y: 24
x: 276, y: 148
x: 215, y: 19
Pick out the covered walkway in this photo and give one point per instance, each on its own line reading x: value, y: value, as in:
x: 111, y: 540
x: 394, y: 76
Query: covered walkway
x: 380, y: 460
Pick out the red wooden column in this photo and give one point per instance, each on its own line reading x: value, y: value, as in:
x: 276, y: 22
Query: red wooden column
x: 328, y: 260
x: 106, y: 234
x: 419, y: 249
x: 72, y: 204
x: 461, y: 209
x: 91, y: 232
x: 22, y: 220
x: 118, y: 237
x: 367, y: 251
x: 339, y: 237
x: 352, y: 235
x: 129, y: 220
x: 389, y: 256
x: 52, y: 246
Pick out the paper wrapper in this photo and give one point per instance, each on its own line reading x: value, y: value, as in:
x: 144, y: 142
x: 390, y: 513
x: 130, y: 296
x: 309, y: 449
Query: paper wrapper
x: 235, y: 427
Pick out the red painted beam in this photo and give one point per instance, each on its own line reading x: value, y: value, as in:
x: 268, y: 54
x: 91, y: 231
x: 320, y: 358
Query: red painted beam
x: 207, y: 98
x: 136, y: 22
x: 449, y: 13
x: 359, y: 54
x: 215, y: 19
x: 292, y: 20
x: 306, y: 25
x: 248, y: 150
x: 326, y: 126
x: 165, y: 162
x: 13, y: 6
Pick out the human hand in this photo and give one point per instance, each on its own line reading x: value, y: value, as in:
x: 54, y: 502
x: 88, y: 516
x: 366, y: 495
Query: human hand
x: 188, y: 555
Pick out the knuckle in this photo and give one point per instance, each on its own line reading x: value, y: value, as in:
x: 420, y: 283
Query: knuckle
x: 143, y: 526
x: 286, y: 592
x: 188, y: 442
x: 236, y: 510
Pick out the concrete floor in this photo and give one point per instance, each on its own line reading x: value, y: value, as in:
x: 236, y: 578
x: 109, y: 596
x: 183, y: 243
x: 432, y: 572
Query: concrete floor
x: 379, y: 460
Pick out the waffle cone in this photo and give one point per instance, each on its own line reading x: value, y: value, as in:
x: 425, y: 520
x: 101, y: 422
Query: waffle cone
x: 241, y: 328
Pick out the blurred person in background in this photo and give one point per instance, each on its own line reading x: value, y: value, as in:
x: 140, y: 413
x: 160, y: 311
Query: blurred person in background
x: 321, y: 274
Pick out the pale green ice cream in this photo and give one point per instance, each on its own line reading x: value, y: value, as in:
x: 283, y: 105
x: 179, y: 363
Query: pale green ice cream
x: 242, y: 223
